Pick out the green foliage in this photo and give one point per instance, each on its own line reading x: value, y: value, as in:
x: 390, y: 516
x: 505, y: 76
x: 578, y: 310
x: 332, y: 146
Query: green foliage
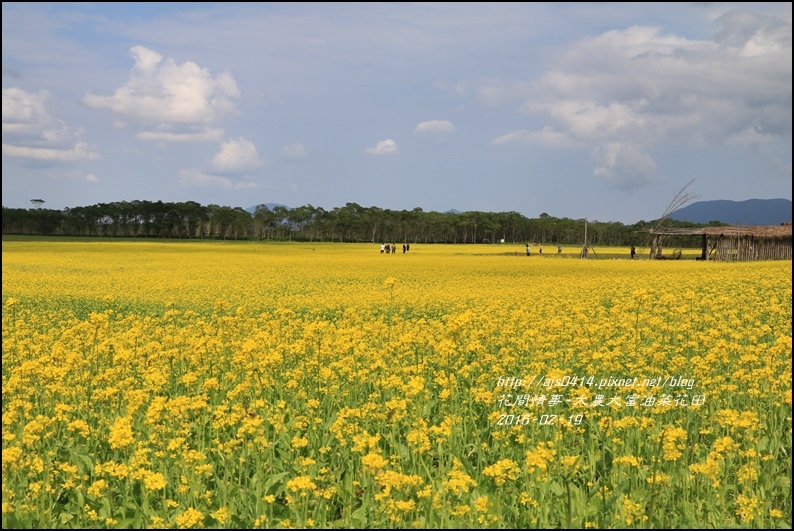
x: 350, y: 223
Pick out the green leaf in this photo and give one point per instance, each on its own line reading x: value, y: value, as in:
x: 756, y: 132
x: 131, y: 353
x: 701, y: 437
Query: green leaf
x: 84, y: 463
x: 429, y: 406
x: 763, y: 444
x: 275, y: 478
x: 359, y: 517
x: 105, y: 511
x: 402, y: 450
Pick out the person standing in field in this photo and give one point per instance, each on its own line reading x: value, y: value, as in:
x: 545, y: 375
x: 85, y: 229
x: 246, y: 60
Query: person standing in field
x: 559, y: 249
x: 540, y: 249
x: 633, y: 252
x: 382, y: 248
x: 527, y: 249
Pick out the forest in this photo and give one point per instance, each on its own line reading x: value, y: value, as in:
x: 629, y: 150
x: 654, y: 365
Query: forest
x: 349, y: 223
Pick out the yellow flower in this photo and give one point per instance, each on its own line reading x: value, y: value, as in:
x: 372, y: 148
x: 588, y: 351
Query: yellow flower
x: 190, y: 518
x: 221, y: 515
x: 747, y: 474
x: 80, y: 426
x: 633, y: 512
x: 373, y: 462
x: 302, y: 484
x: 458, y: 481
x: 658, y: 478
x: 526, y: 499
x: 725, y: 444
x: 540, y: 457
x: 121, y: 433
x: 155, y: 481
x: 481, y: 504
x: 418, y: 439
x: 748, y: 508
x: 502, y: 470
x: 97, y: 487
x: 671, y: 445
x: 629, y: 460
x: 300, y: 442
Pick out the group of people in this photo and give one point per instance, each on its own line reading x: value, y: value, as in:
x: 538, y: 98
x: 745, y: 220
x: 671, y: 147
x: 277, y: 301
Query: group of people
x: 386, y: 248
x: 540, y: 249
x: 633, y: 250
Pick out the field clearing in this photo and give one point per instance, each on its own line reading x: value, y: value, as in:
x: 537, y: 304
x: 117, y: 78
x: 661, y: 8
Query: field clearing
x: 247, y: 384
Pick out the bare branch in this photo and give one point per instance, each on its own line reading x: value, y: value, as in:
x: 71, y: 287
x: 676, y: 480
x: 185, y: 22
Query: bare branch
x: 680, y: 198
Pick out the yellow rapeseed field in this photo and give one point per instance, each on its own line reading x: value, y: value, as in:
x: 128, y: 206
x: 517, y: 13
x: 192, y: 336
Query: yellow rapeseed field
x: 254, y: 385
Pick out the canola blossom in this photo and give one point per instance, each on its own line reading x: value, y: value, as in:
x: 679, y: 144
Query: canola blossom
x: 277, y: 385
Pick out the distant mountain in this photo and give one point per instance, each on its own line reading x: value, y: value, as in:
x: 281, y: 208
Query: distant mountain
x: 750, y: 212
x: 271, y: 206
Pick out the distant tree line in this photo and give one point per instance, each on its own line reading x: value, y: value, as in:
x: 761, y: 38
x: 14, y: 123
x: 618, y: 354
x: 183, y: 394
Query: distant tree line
x: 350, y: 223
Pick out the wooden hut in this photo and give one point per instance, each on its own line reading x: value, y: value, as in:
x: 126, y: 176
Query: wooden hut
x: 734, y: 243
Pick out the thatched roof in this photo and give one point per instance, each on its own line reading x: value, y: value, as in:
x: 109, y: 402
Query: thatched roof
x: 763, y: 231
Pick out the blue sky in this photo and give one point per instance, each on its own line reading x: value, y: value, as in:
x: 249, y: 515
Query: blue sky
x: 583, y: 110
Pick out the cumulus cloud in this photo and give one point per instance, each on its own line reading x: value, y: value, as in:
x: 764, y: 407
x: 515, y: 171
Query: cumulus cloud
x: 623, y: 165
x: 294, y: 152
x: 205, y: 135
x: 547, y: 138
x: 183, y: 98
x: 643, y: 87
x: 31, y: 132
x: 237, y: 155
x: 196, y: 178
x: 80, y: 151
x: 384, y: 147
x: 435, y: 126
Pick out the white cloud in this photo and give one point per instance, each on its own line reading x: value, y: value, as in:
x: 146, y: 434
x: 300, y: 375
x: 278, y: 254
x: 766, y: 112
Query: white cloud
x: 753, y: 35
x: 294, y: 152
x: 503, y: 91
x: 166, y: 94
x: 523, y: 136
x: 206, y: 134
x: 81, y: 151
x: 623, y: 165
x: 21, y: 108
x: 237, y: 155
x: 30, y: 131
x: 435, y: 126
x: 643, y: 87
x: 91, y: 178
x: 384, y: 147
x: 547, y: 138
x: 195, y: 178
